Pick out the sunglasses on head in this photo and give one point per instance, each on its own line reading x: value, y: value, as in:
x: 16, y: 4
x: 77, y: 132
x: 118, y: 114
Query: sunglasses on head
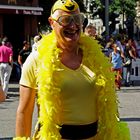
x: 65, y: 20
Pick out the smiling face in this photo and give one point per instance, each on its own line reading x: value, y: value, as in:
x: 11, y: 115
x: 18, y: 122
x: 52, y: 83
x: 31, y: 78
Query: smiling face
x: 67, y: 35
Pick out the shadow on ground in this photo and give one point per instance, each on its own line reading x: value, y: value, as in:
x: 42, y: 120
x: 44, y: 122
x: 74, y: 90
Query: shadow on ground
x: 12, y: 95
x: 8, y: 138
x: 13, y: 89
x: 130, y: 119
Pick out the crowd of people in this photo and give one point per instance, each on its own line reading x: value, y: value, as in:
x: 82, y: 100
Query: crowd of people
x: 69, y: 73
x: 121, y: 51
x: 8, y: 64
x: 125, y: 51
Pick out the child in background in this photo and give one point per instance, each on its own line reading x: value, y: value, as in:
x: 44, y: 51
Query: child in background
x: 116, y: 58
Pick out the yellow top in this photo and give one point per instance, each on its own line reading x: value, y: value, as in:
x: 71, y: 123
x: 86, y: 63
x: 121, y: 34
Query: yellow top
x: 78, y: 95
x: 77, y: 90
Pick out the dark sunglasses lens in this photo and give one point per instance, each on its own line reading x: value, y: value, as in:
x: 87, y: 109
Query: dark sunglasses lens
x: 78, y: 19
x: 65, y: 20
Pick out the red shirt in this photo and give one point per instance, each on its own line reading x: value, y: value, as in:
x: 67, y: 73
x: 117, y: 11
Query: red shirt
x: 5, y: 53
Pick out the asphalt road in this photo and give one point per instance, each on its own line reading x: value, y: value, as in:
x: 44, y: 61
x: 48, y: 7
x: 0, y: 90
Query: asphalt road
x: 129, y: 108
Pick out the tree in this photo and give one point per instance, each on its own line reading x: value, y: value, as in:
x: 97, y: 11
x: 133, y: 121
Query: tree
x: 117, y: 7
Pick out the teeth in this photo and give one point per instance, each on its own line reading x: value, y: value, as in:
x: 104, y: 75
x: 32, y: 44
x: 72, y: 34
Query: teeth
x: 71, y: 32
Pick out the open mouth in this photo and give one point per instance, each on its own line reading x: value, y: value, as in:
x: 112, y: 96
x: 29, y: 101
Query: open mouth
x: 73, y: 34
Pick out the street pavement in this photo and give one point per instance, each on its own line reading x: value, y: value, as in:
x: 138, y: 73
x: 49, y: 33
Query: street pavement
x: 129, y: 108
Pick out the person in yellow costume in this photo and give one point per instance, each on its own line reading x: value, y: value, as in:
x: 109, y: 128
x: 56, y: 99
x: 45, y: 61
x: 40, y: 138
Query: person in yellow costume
x: 71, y: 79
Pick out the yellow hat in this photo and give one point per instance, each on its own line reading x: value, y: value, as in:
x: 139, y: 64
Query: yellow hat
x: 65, y: 5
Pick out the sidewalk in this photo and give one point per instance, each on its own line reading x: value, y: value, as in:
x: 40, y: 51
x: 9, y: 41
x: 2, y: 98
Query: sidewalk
x: 130, y: 88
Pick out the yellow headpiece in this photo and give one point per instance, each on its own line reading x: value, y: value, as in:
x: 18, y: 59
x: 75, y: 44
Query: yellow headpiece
x: 65, y: 5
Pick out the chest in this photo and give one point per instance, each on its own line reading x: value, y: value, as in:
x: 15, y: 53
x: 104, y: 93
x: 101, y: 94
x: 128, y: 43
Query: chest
x: 79, y: 82
x: 72, y: 61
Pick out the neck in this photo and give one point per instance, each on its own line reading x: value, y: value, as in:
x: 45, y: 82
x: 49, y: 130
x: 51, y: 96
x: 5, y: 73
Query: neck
x: 73, y: 49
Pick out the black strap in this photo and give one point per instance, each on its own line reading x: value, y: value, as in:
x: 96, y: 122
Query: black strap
x: 77, y: 132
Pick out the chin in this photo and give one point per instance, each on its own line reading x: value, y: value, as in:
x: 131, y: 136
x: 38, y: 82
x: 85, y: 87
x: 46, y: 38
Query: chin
x: 72, y: 40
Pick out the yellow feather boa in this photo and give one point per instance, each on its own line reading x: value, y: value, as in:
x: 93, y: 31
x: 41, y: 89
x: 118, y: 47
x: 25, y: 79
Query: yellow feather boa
x: 109, y: 126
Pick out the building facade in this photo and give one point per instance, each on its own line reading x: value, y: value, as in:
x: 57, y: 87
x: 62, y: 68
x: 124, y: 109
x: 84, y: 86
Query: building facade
x: 19, y: 21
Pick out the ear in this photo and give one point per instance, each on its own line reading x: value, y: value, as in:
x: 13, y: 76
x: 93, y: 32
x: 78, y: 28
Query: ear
x: 51, y: 21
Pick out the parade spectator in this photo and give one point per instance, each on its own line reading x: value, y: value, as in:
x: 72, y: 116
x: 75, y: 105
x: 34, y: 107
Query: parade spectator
x: 36, y: 39
x: 90, y: 30
x: 119, y: 44
x: 6, y: 61
x: 116, y: 58
x: 8, y: 43
x: 108, y: 47
x: 24, y: 53
x: 129, y: 55
x: 71, y: 79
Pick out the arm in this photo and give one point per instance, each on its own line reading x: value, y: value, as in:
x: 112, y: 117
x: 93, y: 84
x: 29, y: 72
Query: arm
x: 110, y: 57
x: 11, y: 60
x: 25, y: 112
x: 20, y: 60
x: 132, y: 55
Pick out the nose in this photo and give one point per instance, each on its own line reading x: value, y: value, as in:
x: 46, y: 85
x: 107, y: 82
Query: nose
x: 72, y: 24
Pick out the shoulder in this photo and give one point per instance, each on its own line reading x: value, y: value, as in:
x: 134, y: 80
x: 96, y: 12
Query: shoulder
x: 32, y: 58
x: 29, y: 71
x: 30, y: 65
x: 10, y: 49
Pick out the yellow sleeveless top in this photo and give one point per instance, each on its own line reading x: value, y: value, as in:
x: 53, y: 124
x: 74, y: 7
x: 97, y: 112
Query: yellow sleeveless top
x: 78, y: 95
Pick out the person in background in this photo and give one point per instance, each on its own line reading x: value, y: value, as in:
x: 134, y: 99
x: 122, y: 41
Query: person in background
x: 8, y: 43
x: 129, y: 55
x: 116, y: 58
x: 24, y: 53
x: 90, y: 30
x: 71, y: 79
x: 36, y: 39
x: 6, y: 62
x: 108, y: 46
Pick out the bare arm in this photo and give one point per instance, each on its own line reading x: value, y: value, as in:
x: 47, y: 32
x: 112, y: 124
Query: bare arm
x: 25, y: 112
x: 20, y: 60
x: 131, y: 54
x: 11, y: 59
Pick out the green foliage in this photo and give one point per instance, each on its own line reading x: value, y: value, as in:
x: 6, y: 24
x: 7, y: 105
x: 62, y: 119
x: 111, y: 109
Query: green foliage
x: 126, y: 6
x: 119, y: 6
